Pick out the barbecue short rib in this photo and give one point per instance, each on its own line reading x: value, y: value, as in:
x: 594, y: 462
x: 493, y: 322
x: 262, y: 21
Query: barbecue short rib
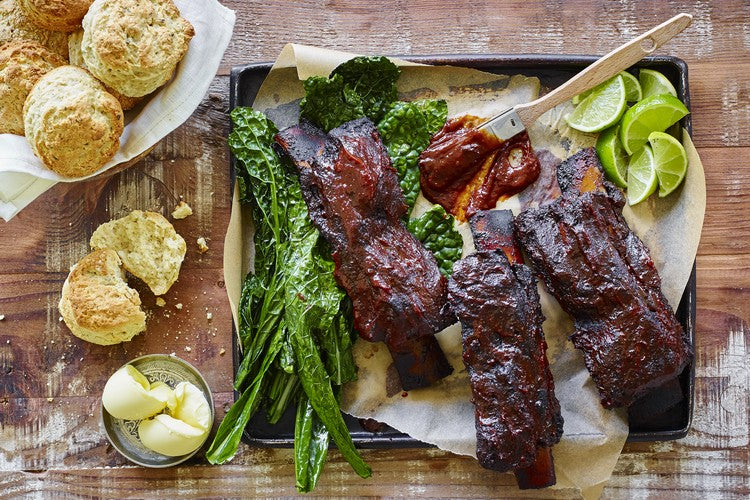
x: 517, y: 414
x: 602, y: 275
x: 354, y: 199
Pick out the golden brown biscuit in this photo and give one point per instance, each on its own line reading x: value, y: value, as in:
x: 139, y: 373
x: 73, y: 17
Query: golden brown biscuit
x: 56, y: 15
x: 148, y: 245
x: 72, y: 123
x: 15, y: 26
x: 97, y: 304
x: 21, y: 65
x: 134, y: 65
x: 76, y: 59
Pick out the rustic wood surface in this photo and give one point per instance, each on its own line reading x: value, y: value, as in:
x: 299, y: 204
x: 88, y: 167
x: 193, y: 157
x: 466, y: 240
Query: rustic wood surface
x: 50, y: 382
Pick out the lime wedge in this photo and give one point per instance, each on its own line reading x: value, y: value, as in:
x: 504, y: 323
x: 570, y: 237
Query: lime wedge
x: 600, y: 109
x: 642, y: 179
x: 652, y: 114
x: 633, y: 92
x: 654, y: 83
x: 613, y: 156
x: 632, y: 88
x: 670, y: 161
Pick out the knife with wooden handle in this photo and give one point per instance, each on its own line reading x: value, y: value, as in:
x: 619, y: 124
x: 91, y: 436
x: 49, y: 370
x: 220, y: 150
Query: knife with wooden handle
x: 511, y: 122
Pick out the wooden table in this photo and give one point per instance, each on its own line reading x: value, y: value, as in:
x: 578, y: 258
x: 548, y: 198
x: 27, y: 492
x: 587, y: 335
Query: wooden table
x: 50, y: 382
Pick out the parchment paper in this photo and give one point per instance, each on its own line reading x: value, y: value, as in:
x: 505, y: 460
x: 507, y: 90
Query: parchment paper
x: 443, y: 414
x: 23, y: 177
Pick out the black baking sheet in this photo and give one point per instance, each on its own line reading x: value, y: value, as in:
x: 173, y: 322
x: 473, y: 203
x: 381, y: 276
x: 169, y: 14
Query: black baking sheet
x: 668, y: 413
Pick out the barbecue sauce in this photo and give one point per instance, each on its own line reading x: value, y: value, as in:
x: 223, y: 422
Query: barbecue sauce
x: 465, y: 169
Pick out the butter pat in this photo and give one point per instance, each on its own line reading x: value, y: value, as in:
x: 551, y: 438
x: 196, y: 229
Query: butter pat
x: 169, y: 436
x: 129, y: 395
x: 184, y: 430
x: 192, y: 407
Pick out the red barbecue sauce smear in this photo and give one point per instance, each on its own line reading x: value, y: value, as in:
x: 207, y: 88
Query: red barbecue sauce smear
x: 465, y: 169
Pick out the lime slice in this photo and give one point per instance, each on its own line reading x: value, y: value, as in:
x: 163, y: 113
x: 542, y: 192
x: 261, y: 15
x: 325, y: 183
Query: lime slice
x: 613, y: 156
x: 632, y: 89
x: 600, y: 109
x: 633, y: 92
x: 642, y: 179
x: 670, y: 161
x: 654, y: 83
x: 652, y: 114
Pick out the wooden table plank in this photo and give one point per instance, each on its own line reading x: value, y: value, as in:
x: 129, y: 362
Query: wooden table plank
x: 56, y: 447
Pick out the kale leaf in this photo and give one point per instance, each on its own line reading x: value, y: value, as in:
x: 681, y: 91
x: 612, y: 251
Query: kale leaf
x: 373, y: 79
x: 328, y: 102
x: 406, y: 130
x: 363, y: 86
x: 435, y: 230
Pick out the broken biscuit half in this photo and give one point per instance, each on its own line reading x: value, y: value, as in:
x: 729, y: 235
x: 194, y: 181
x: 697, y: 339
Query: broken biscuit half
x: 148, y: 246
x: 97, y: 304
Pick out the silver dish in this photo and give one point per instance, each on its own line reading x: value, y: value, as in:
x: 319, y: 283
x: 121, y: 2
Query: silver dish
x: 123, y: 434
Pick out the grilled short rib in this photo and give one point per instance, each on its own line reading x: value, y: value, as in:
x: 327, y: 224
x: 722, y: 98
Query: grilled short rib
x: 602, y: 275
x: 353, y: 197
x: 517, y: 415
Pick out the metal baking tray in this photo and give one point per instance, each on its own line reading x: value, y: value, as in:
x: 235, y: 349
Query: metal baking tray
x: 651, y: 421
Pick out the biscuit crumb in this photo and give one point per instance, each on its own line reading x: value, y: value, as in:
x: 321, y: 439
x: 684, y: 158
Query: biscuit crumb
x: 160, y: 302
x: 178, y: 305
x: 182, y: 210
x: 188, y: 349
x: 202, y: 246
x: 221, y: 353
x: 50, y: 399
x: 209, y: 316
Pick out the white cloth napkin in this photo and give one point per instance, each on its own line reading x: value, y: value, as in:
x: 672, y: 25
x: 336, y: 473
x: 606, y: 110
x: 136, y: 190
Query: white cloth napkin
x: 23, y: 177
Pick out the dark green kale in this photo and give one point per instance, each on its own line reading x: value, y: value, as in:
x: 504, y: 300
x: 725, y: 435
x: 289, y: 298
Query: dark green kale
x: 373, y: 79
x: 435, y: 230
x: 406, y: 130
x: 328, y: 102
x: 289, y: 299
x: 311, y: 441
x: 363, y: 86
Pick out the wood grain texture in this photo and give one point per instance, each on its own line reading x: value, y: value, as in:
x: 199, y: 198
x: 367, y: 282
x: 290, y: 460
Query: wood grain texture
x: 50, y: 440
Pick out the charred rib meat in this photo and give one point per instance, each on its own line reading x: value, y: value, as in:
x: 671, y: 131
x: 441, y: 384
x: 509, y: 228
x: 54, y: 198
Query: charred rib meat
x: 354, y: 198
x: 601, y: 273
x: 517, y: 414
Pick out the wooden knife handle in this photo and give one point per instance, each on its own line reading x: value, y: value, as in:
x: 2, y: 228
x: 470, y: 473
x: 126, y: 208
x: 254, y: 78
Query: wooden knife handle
x: 606, y: 67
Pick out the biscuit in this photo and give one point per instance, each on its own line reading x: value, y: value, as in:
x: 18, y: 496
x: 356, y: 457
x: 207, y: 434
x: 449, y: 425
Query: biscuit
x: 72, y: 123
x: 21, y: 65
x: 15, y: 26
x: 134, y: 65
x: 56, y: 15
x: 148, y: 245
x: 76, y: 59
x: 97, y: 304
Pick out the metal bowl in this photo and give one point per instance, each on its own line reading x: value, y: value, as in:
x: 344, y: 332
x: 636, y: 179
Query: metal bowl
x: 123, y: 434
